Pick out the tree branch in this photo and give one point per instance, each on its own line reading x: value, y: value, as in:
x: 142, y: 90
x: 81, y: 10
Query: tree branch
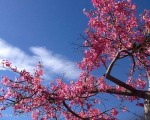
x: 138, y: 93
x: 133, y: 91
x: 71, y: 111
x: 115, y: 80
x: 120, y: 83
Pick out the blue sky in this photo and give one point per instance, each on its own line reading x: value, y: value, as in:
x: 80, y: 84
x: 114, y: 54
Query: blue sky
x: 45, y: 30
x: 51, y: 25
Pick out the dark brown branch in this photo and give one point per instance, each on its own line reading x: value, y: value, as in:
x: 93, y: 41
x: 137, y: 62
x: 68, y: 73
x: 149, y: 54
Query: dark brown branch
x: 115, y: 80
x: 114, y: 91
x: 133, y: 113
x: 120, y: 83
x: 86, y: 40
x: 135, y: 92
x: 71, y: 111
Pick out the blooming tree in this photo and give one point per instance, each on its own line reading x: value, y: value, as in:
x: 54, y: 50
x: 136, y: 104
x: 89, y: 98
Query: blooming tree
x: 115, y: 33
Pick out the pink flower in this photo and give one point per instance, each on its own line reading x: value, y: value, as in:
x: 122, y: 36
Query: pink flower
x: 35, y: 114
x: 124, y: 109
x: 6, y: 63
x: 5, y: 80
x: 114, y: 112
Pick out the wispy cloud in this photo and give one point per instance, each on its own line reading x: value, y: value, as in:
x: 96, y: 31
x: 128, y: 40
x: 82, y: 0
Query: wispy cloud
x: 54, y: 64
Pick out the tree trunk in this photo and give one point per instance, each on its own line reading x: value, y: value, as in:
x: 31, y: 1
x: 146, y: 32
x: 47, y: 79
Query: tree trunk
x: 147, y: 110
x: 147, y: 102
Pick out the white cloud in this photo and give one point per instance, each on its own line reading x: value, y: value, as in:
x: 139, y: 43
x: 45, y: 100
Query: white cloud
x: 54, y: 64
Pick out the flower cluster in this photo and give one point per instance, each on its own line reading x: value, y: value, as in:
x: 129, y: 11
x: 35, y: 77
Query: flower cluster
x: 114, y: 33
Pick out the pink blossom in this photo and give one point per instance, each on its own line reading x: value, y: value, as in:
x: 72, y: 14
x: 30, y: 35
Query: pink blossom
x: 35, y: 114
x: 5, y: 80
x: 124, y: 109
x: 114, y: 112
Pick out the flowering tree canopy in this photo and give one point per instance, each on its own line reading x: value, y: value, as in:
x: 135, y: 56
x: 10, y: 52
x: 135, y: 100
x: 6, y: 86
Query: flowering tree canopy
x: 114, y: 33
